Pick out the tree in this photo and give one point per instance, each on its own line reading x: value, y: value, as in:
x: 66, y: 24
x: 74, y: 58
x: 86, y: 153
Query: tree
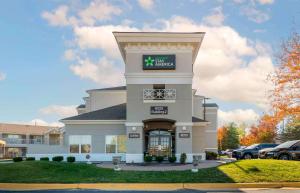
x: 228, y: 137
x: 264, y: 132
x: 292, y: 130
x: 286, y: 93
x: 221, y: 135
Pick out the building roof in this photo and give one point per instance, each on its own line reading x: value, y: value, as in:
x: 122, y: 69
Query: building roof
x: 117, y: 112
x: 24, y: 129
x: 109, y: 88
x: 211, y: 105
x: 196, y: 119
x: 81, y: 106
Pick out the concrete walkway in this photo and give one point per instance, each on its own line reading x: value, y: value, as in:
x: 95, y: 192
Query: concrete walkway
x: 163, y: 166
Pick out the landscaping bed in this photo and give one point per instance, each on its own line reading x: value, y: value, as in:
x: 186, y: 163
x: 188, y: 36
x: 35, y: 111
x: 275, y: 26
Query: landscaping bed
x: 61, y: 172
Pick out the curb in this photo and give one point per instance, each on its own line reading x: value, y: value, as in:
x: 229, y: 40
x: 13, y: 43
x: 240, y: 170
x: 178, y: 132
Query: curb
x: 146, y: 186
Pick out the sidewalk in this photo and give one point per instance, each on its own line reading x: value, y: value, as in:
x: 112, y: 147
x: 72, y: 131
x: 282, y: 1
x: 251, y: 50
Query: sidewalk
x: 146, y: 186
x: 166, y: 166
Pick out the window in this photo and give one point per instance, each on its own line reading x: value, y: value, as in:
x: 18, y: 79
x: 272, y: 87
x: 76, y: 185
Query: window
x: 115, y: 143
x: 159, y: 92
x: 121, y: 143
x: 80, y: 143
x: 159, y: 86
x: 74, y: 148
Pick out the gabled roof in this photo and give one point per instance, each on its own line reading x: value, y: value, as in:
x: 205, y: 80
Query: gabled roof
x: 211, y: 105
x: 109, y: 88
x: 117, y: 112
x: 196, y: 119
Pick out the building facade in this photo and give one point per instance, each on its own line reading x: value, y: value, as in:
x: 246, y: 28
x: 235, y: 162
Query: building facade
x: 156, y: 113
x: 18, y: 139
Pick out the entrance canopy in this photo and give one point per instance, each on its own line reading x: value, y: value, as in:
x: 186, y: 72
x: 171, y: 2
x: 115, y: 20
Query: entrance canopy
x: 159, y: 120
x: 153, y: 124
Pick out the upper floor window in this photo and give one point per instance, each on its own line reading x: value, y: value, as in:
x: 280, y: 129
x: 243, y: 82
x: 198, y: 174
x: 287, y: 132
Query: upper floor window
x: 159, y: 86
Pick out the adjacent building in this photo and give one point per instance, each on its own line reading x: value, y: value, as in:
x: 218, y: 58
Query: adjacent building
x: 19, y: 139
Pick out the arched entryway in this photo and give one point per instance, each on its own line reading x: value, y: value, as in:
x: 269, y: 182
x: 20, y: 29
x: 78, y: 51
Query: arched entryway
x: 159, y: 137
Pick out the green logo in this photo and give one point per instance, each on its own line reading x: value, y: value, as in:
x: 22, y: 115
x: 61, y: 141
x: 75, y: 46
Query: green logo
x: 149, y: 61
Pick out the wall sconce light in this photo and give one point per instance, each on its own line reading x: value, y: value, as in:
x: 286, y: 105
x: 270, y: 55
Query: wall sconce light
x: 133, y: 128
x: 184, y: 128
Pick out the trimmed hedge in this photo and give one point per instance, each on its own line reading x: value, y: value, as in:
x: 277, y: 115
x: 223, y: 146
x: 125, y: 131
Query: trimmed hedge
x: 71, y: 159
x: 17, y: 159
x: 30, y: 159
x: 159, y: 159
x: 58, y: 158
x: 148, y: 158
x: 183, y: 158
x: 172, y: 159
x: 44, y: 159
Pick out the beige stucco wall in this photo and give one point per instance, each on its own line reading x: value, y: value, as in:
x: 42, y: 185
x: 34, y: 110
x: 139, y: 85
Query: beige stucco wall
x: 102, y: 99
x: 180, y: 110
x: 97, y: 131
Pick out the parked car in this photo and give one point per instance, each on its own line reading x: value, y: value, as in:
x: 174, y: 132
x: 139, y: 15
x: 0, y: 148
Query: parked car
x: 251, y: 151
x: 228, y: 152
x: 286, y: 151
x: 262, y: 154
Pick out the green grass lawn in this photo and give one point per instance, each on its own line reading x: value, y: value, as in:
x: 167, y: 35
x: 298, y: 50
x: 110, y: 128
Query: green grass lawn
x: 241, y: 171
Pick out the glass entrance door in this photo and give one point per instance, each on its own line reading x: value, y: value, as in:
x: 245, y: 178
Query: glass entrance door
x: 160, y: 143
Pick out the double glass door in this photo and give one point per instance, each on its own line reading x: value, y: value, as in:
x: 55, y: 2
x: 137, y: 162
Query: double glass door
x: 160, y: 143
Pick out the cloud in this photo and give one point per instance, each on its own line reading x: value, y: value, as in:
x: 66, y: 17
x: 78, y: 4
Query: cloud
x: 2, y: 76
x: 57, y: 17
x: 98, y: 10
x: 229, y: 66
x: 100, y: 37
x: 259, y: 30
x: 255, y: 15
x: 41, y: 122
x: 61, y: 111
x: 70, y: 55
x: 264, y: 2
x: 146, y: 4
x: 104, y: 72
x: 239, y: 116
x: 215, y: 18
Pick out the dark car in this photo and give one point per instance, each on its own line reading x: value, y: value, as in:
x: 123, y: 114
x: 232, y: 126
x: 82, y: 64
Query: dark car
x: 286, y: 151
x: 251, y: 151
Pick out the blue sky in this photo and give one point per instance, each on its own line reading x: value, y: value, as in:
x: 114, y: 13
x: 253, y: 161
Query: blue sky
x: 52, y: 51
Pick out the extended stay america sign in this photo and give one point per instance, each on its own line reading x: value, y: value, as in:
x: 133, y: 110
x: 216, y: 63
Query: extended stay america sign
x: 159, y: 62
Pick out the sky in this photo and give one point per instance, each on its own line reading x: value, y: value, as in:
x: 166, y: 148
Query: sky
x: 53, y: 51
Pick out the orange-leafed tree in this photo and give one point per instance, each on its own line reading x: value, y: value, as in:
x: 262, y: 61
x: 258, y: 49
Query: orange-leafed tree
x: 285, y: 97
x: 221, y: 136
x: 263, y: 132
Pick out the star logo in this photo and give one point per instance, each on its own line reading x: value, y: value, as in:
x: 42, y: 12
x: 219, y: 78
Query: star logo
x: 149, y: 61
